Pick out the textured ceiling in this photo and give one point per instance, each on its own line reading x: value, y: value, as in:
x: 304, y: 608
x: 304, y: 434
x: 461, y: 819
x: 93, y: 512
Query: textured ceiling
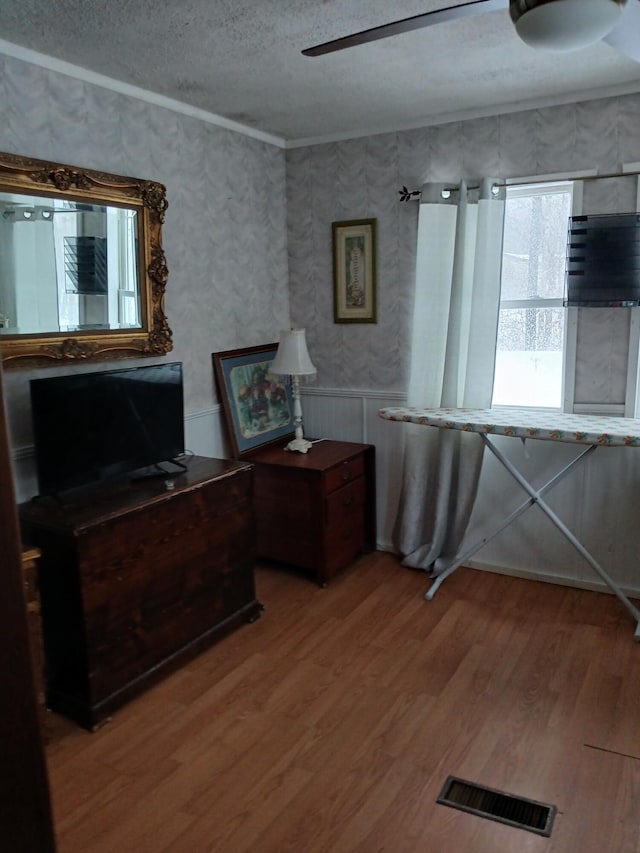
x: 241, y: 59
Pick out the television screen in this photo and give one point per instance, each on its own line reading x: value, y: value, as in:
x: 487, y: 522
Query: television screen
x: 90, y: 427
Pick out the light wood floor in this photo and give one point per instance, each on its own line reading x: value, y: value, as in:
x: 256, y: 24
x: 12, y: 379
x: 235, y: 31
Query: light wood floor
x: 332, y: 723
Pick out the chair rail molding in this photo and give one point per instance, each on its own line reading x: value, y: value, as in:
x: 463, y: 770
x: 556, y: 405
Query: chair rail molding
x: 350, y: 414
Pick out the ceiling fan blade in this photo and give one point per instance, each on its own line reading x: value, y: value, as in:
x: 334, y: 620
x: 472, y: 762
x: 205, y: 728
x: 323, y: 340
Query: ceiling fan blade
x: 625, y: 36
x: 417, y: 22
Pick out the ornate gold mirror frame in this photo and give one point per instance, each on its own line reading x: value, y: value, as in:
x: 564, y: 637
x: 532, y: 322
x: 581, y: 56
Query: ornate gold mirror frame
x: 151, y: 335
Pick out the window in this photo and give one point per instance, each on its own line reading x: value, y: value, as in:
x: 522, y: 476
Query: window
x: 531, y: 326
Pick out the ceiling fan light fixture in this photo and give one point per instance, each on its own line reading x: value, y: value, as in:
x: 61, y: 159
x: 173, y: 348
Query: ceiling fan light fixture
x: 561, y: 26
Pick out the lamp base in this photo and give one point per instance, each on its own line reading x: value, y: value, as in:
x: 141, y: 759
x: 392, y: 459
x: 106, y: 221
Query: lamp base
x: 299, y: 444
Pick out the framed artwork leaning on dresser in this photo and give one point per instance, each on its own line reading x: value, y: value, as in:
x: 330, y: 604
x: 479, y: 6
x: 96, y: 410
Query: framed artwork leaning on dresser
x: 257, y: 407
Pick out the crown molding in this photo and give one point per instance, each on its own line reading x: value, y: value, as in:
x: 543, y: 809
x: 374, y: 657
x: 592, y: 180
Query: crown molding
x: 574, y: 97
x: 60, y: 66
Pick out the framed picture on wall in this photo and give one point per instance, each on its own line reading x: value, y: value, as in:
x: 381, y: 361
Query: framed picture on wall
x: 354, y: 271
x: 258, y: 408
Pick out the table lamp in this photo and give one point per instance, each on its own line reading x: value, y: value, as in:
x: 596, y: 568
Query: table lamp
x: 292, y: 360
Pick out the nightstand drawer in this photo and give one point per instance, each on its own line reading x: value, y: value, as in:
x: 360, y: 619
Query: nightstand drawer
x: 344, y: 541
x: 345, y: 472
x: 345, y: 501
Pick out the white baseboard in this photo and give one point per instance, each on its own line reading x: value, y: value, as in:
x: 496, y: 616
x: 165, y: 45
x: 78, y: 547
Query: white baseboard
x: 558, y: 580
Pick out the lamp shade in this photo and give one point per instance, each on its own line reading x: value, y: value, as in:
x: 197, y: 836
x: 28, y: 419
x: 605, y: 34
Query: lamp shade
x: 564, y: 25
x: 292, y: 357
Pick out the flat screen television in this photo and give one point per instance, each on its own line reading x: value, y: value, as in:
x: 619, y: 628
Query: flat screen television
x: 603, y: 261
x: 90, y: 427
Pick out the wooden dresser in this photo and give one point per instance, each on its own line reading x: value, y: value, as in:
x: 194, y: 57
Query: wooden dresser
x: 137, y: 577
x: 315, y: 510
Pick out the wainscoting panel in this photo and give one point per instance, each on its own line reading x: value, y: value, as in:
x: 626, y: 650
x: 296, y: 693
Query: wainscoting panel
x: 599, y: 501
x: 353, y: 416
x: 205, y: 433
x: 531, y: 544
x: 333, y: 414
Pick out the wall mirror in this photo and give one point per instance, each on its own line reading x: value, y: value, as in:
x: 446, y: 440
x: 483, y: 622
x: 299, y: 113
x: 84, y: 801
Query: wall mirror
x: 82, y: 269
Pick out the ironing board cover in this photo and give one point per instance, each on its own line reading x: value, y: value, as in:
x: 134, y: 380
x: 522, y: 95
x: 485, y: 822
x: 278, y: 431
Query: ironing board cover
x: 525, y: 423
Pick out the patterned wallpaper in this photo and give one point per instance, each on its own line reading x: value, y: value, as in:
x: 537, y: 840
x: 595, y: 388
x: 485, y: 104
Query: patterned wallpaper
x: 248, y: 237
x: 225, y: 231
x: 360, y: 179
x: 245, y: 219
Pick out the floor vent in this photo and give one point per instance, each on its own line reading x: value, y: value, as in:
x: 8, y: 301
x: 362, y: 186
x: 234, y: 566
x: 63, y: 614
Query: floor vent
x: 496, y: 805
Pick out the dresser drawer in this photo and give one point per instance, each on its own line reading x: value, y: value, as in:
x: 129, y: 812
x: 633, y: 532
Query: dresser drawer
x: 139, y: 613
x: 343, y: 542
x: 133, y: 550
x: 343, y: 473
x: 345, y: 501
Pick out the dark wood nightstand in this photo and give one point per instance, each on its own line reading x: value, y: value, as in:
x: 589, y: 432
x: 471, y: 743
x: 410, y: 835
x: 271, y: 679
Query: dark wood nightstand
x: 315, y: 510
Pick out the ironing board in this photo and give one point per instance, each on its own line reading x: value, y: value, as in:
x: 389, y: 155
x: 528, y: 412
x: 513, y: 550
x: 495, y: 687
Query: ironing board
x: 590, y: 432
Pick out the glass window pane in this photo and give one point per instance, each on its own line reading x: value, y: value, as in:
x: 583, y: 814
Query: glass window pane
x: 529, y: 357
x: 535, y: 240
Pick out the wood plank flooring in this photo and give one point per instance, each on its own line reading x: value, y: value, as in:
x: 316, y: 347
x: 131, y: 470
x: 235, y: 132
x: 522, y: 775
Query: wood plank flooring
x: 331, y: 724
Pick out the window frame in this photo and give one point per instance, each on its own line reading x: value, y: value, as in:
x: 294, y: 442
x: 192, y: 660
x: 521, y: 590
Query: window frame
x: 523, y: 186
x: 631, y: 406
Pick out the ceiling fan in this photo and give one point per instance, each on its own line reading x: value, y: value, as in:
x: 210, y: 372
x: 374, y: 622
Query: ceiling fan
x: 553, y: 25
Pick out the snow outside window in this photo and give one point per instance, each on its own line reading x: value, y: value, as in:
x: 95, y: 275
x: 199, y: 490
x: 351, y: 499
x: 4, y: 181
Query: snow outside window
x: 532, y: 323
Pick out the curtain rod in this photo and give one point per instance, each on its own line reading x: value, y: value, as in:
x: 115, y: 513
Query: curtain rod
x: 413, y: 195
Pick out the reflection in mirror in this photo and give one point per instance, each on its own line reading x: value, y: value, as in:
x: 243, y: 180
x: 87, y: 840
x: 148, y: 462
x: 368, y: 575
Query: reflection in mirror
x: 82, y: 269
x: 66, y: 266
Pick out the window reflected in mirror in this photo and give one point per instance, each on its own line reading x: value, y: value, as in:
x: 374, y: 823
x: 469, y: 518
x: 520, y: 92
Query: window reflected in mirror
x: 82, y: 268
x: 66, y: 266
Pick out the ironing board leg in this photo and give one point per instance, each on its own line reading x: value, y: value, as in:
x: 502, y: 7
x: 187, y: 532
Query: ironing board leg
x: 461, y: 560
x: 537, y: 498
